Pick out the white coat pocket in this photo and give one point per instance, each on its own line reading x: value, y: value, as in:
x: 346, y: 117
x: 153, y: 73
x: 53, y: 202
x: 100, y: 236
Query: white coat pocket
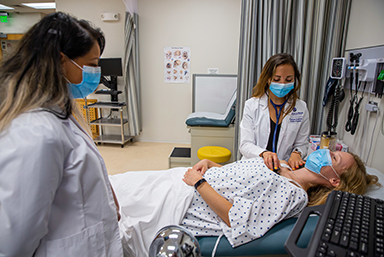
x: 89, y: 242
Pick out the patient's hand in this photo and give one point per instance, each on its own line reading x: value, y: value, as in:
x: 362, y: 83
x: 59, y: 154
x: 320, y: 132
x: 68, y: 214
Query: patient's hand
x: 191, y: 176
x: 202, y: 166
x: 295, y: 161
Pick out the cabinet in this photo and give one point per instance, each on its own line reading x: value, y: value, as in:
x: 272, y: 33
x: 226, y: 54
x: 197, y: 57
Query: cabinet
x: 102, y: 122
x: 214, y: 136
x: 203, y: 136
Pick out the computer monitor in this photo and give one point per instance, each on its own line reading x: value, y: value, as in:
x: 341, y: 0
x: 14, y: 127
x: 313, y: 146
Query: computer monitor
x: 111, y: 67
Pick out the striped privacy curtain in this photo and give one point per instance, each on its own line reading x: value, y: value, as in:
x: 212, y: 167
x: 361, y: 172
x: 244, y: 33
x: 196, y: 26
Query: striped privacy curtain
x: 312, y: 31
x: 131, y: 76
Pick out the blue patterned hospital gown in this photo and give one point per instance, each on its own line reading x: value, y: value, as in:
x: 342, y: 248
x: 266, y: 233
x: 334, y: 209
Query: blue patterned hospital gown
x: 260, y: 199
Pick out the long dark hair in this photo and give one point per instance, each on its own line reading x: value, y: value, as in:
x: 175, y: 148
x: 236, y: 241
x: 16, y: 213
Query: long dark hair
x: 32, y: 76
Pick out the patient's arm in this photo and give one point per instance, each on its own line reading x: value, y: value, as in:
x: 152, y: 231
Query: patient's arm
x: 218, y: 204
x: 203, y: 165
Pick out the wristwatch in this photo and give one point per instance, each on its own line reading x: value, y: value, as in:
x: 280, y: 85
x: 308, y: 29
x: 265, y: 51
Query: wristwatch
x: 198, y: 183
x: 296, y: 150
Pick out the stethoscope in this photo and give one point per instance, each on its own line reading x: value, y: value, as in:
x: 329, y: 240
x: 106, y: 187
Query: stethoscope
x: 277, y: 121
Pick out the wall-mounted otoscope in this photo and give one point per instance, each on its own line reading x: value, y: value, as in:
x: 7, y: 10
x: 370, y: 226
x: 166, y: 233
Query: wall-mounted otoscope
x: 361, y: 70
x: 366, y: 71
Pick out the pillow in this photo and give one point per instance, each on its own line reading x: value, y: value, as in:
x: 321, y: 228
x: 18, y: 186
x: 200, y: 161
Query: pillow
x: 375, y: 191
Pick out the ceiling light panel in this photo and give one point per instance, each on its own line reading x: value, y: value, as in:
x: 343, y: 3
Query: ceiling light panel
x: 41, y: 5
x: 3, y: 7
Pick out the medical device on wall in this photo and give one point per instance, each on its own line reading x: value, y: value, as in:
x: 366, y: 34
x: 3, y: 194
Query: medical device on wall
x: 338, y: 68
x: 353, y: 111
x: 335, y: 93
x: 367, y: 70
x: 363, y: 71
x: 379, y: 86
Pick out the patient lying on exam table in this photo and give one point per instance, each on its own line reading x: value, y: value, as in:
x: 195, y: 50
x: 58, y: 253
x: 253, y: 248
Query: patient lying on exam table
x: 242, y: 200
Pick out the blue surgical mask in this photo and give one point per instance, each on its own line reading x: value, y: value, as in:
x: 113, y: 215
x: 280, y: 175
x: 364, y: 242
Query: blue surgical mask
x: 318, y: 159
x: 281, y: 90
x: 91, y: 80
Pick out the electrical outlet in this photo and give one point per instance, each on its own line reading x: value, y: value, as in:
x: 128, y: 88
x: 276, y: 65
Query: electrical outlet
x: 371, y: 106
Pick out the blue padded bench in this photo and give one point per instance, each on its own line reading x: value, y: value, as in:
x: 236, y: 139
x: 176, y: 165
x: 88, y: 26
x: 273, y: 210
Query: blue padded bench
x: 211, y: 119
x: 272, y: 243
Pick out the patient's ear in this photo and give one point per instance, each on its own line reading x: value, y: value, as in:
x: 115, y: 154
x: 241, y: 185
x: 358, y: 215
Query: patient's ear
x: 335, y: 182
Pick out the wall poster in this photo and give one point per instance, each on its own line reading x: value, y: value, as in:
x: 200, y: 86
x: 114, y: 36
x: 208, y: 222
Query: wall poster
x: 177, y: 62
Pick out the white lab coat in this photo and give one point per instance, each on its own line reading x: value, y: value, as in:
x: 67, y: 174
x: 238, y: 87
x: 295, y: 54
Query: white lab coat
x: 255, y: 129
x: 55, y: 197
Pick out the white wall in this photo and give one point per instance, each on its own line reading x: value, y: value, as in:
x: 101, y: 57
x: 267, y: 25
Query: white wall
x: 364, y: 31
x: 210, y: 28
x: 91, y: 10
x: 20, y: 23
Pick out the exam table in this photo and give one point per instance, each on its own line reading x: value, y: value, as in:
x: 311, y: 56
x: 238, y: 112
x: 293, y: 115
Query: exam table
x: 272, y: 243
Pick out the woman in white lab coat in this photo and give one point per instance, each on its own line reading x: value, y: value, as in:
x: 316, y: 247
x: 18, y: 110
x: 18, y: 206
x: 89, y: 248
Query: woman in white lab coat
x: 275, y: 122
x: 55, y: 196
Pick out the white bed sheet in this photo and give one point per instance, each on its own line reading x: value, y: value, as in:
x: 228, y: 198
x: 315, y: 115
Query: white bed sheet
x: 144, y: 212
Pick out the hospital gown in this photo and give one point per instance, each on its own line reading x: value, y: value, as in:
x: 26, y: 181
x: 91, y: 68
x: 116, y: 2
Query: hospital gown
x: 260, y: 200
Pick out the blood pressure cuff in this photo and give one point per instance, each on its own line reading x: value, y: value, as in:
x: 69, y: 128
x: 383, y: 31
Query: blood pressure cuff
x: 329, y: 89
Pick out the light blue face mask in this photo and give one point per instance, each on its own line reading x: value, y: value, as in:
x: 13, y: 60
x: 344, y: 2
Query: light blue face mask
x: 91, y: 80
x: 281, y: 90
x: 317, y: 160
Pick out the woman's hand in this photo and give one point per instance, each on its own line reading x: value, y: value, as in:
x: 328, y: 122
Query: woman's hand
x: 191, y: 176
x: 295, y: 161
x: 203, y: 165
x: 271, y: 160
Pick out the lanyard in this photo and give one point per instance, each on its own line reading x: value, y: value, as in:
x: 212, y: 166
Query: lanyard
x: 277, y: 121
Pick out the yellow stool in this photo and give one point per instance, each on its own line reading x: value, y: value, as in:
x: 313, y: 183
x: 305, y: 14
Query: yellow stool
x: 216, y: 154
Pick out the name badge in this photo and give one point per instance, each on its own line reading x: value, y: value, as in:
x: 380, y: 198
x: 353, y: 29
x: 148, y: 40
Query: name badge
x: 296, y: 116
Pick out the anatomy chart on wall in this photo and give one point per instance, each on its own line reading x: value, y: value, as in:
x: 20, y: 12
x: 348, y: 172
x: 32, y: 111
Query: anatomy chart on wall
x: 177, y: 62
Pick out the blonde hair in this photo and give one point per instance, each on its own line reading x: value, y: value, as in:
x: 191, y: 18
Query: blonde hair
x: 269, y: 71
x: 354, y: 180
